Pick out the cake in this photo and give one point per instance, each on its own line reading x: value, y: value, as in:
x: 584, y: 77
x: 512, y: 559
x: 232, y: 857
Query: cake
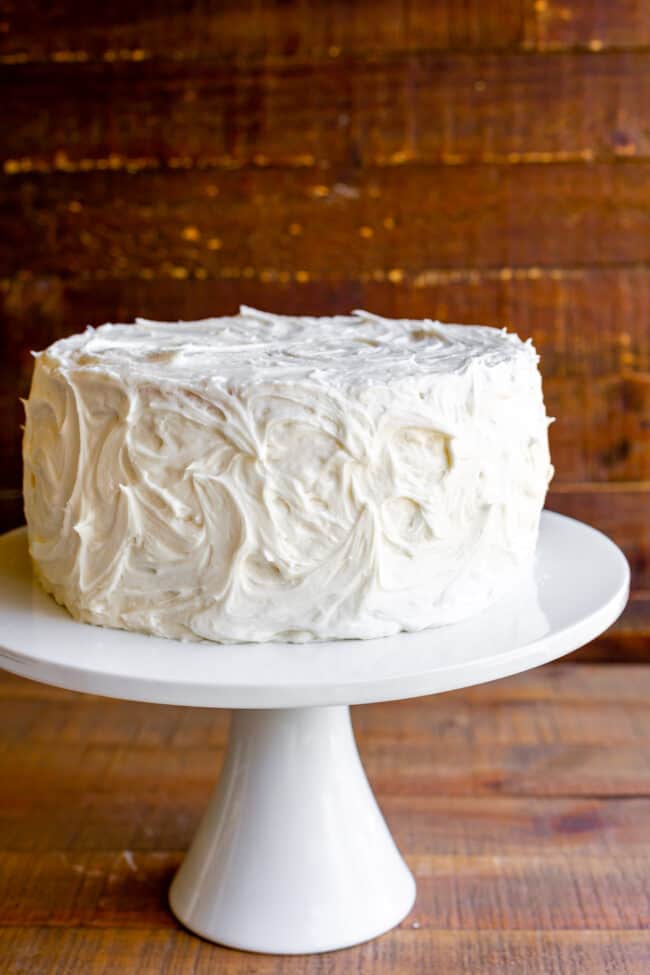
x: 273, y: 478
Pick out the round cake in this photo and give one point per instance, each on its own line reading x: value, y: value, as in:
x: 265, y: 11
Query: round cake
x: 264, y: 477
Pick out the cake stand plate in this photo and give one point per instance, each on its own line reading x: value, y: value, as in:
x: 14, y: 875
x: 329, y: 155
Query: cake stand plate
x: 293, y: 855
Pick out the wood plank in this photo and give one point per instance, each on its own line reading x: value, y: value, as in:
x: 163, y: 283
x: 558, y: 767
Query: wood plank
x: 601, y: 432
x: 591, y: 24
x: 454, y: 717
x: 73, y: 889
x: 91, y: 821
x: 388, y: 110
x: 423, y: 825
x: 550, y: 892
x: 395, y: 768
x: 567, y: 682
x: 237, y: 30
x: 85, y: 720
x: 480, y: 826
x: 100, y: 224
x: 17, y: 688
x: 303, y: 30
x: 46, y: 951
x: 526, y: 770
x: 543, y: 893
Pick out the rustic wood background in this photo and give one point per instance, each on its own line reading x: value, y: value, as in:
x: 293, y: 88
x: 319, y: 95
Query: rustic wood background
x: 474, y: 160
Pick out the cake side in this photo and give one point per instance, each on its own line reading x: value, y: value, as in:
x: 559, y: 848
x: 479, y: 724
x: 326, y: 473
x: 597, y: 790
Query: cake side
x: 271, y: 478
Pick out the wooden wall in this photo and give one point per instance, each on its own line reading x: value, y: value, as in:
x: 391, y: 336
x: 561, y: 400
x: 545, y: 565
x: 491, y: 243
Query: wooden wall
x: 475, y: 160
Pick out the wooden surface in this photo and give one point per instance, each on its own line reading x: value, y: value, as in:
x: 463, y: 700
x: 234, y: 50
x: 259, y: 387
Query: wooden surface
x: 523, y: 807
x: 484, y: 161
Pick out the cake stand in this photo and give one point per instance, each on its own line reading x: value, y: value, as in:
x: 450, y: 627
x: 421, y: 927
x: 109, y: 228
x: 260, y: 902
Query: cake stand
x: 293, y: 854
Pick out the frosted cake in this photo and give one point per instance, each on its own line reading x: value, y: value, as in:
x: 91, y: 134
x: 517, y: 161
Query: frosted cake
x: 262, y: 477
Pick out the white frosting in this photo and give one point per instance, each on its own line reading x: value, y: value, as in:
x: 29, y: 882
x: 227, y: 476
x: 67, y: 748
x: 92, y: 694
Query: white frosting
x: 264, y: 477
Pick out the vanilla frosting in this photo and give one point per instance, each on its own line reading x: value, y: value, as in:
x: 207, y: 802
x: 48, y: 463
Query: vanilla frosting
x: 265, y: 477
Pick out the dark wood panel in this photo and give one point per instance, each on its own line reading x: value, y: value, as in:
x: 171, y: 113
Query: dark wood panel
x: 601, y: 432
x: 390, y: 111
x: 590, y: 24
x: 341, y: 225
x: 240, y: 29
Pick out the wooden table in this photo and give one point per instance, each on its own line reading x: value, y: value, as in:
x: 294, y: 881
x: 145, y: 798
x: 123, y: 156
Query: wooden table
x: 523, y: 807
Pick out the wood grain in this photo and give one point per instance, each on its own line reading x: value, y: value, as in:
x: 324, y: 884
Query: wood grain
x: 116, y: 31
x: 109, y: 794
x: 301, y: 30
x: 593, y: 25
x: 432, y: 824
x: 160, y: 952
x: 425, y: 768
x: 456, y: 892
x: 452, y: 718
x: 396, y: 110
x: 601, y: 432
x: 112, y: 224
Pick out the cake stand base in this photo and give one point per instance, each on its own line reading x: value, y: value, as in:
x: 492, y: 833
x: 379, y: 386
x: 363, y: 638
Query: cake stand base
x: 293, y: 854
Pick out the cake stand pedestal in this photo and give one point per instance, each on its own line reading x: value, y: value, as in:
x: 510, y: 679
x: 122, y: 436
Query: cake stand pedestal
x: 293, y: 854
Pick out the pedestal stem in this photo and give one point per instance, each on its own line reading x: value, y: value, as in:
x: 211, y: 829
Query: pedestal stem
x: 293, y: 854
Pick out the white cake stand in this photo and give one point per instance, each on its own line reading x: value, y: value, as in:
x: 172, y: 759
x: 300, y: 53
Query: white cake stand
x: 293, y: 854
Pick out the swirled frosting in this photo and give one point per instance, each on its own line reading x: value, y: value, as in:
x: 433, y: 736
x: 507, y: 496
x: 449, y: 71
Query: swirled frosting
x: 264, y: 477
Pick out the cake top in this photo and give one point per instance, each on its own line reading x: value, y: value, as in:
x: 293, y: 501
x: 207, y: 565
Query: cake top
x: 340, y: 351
